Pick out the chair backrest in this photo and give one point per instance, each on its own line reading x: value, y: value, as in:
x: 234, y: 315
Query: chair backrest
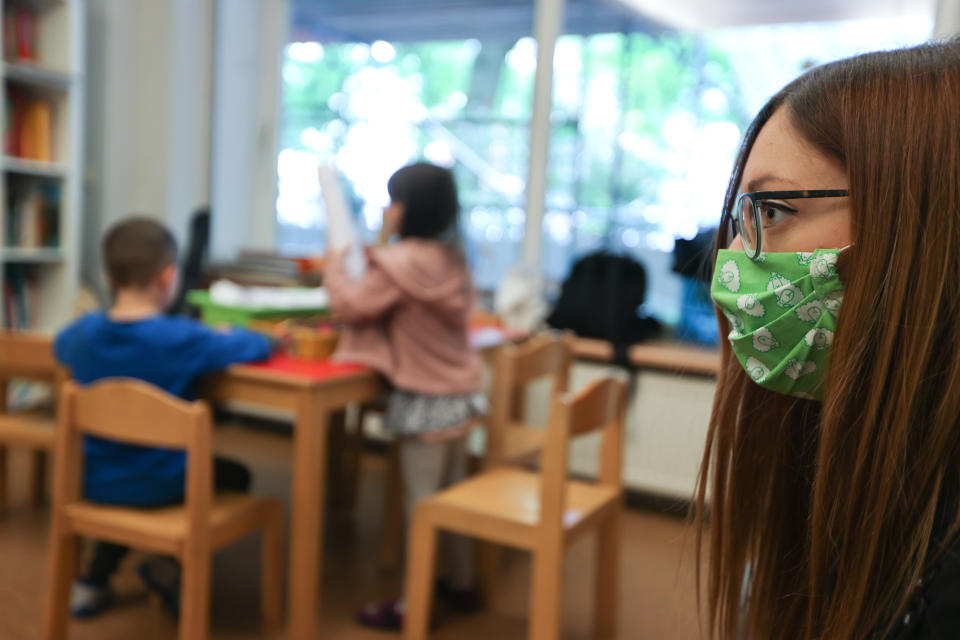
x: 26, y: 355
x: 600, y: 407
x: 30, y: 356
x: 134, y: 412
x: 516, y: 367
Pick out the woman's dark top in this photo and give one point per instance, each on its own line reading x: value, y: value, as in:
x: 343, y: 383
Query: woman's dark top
x: 933, y: 611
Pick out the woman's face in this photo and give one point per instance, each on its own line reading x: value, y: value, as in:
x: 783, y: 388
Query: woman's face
x: 781, y: 160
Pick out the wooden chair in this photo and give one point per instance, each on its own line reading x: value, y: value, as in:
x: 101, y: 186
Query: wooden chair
x: 509, y: 438
x: 540, y: 512
x: 30, y: 357
x: 138, y: 413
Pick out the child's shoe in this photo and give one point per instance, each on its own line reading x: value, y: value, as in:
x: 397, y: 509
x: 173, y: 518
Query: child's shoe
x: 460, y: 600
x: 88, y: 600
x: 386, y: 615
x: 162, y: 576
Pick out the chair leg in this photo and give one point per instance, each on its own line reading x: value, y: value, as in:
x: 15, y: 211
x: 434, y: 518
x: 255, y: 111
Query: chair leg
x: 60, y: 574
x: 352, y: 454
x: 39, y: 488
x: 3, y: 477
x: 391, y: 540
x: 195, y: 597
x: 336, y: 465
x: 421, y: 566
x: 607, y: 577
x: 546, y: 593
x: 271, y: 568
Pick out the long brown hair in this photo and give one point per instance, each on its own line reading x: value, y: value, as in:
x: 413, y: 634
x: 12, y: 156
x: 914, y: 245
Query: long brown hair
x: 822, y: 516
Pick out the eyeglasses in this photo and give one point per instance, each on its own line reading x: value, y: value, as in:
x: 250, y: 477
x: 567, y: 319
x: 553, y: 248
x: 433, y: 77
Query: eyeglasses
x: 751, y: 208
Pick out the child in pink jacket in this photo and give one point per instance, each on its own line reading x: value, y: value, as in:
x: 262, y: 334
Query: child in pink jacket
x: 408, y: 318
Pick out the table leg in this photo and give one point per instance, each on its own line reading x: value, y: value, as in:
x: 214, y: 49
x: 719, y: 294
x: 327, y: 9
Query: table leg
x: 307, y: 516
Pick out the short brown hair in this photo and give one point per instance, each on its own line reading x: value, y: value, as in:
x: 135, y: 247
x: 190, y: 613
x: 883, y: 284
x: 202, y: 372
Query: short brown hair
x: 136, y: 250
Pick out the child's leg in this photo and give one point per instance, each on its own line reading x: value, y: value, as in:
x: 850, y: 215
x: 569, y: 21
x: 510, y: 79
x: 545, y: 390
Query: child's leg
x: 423, y: 465
x: 229, y: 475
x: 91, y: 593
x: 428, y: 467
x: 162, y: 575
x: 457, y: 550
x: 106, y: 558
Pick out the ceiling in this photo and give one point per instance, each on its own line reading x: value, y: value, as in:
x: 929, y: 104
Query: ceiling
x: 417, y: 20
x: 413, y: 20
x: 699, y: 14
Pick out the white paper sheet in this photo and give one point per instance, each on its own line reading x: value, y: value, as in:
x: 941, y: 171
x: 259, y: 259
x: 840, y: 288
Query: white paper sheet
x: 341, y: 233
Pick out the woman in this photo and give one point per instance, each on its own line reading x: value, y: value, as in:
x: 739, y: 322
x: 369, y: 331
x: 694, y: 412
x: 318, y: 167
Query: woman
x: 833, y: 456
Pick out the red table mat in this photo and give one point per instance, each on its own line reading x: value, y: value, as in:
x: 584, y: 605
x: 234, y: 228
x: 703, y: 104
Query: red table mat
x: 311, y: 369
x: 480, y: 337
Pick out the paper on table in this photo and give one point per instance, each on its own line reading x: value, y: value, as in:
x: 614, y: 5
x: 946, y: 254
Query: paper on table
x: 341, y: 233
x: 230, y: 294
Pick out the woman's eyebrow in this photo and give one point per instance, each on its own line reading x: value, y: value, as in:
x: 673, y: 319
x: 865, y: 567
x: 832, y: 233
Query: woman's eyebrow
x: 758, y: 184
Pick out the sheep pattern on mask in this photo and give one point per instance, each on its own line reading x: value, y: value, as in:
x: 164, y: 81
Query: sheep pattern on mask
x: 782, y: 310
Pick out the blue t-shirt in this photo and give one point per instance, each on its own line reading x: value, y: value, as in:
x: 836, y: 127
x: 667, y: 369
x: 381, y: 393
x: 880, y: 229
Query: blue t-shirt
x: 169, y: 352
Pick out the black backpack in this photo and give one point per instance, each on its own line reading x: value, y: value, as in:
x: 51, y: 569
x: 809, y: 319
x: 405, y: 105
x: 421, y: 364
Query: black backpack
x: 601, y: 298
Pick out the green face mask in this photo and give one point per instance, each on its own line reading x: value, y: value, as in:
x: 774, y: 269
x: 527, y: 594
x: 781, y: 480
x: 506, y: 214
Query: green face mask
x: 782, y: 310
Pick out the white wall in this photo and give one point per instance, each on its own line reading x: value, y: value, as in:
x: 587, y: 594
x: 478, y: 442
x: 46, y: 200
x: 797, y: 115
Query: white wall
x: 249, y: 40
x: 147, y: 117
x: 947, y: 22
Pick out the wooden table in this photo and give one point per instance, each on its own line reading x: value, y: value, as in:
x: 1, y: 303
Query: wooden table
x: 660, y: 355
x: 312, y: 392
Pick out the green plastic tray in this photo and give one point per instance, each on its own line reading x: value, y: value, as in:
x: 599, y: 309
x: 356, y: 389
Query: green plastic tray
x: 215, y: 314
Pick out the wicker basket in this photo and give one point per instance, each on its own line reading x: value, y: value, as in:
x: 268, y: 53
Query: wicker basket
x: 314, y: 344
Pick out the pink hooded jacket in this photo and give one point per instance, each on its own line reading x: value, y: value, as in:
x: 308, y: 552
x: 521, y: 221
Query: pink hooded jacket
x: 408, y: 317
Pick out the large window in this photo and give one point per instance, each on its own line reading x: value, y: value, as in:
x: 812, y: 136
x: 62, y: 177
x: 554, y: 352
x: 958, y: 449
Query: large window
x: 370, y: 109
x: 644, y: 129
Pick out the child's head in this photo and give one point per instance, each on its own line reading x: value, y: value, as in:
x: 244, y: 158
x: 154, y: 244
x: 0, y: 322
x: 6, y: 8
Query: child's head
x: 423, y: 201
x: 140, y: 255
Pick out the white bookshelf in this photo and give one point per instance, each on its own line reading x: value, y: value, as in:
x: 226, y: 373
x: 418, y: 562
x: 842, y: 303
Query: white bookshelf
x: 23, y: 166
x: 36, y: 76
x: 41, y: 255
x: 46, y: 265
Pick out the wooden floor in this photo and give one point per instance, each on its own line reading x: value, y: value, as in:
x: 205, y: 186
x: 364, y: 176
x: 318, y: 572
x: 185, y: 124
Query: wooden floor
x: 657, y: 579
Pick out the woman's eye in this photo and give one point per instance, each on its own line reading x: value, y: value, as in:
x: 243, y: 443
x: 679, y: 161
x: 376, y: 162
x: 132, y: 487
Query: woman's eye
x: 773, y: 213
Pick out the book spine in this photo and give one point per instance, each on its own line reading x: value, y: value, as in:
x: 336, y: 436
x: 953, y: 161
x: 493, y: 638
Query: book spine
x: 25, y: 34
x: 8, y: 313
x: 29, y: 128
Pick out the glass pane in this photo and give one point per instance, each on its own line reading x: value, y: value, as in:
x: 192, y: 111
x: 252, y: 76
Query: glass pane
x: 371, y: 108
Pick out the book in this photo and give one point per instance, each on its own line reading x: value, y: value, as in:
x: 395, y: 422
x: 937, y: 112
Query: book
x: 32, y: 214
x: 19, y: 298
x: 35, y: 139
x: 20, y: 33
x: 28, y: 129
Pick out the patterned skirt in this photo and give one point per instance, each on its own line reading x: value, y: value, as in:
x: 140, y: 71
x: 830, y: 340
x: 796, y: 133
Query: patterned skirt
x: 412, y: 414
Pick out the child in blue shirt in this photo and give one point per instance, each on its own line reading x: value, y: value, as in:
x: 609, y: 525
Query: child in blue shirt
x: 135, y: 339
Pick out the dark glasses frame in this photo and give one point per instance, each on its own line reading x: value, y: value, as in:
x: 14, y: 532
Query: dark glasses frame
x: 756, y: 198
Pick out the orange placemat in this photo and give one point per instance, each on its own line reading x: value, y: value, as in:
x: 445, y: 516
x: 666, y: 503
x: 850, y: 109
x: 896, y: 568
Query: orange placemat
x: 312, y: 369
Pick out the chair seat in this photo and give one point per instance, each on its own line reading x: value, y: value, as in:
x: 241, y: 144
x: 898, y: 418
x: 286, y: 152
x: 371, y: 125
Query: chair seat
x: 512, y: 498
x: 34, y: 428
x: 164, y: 529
